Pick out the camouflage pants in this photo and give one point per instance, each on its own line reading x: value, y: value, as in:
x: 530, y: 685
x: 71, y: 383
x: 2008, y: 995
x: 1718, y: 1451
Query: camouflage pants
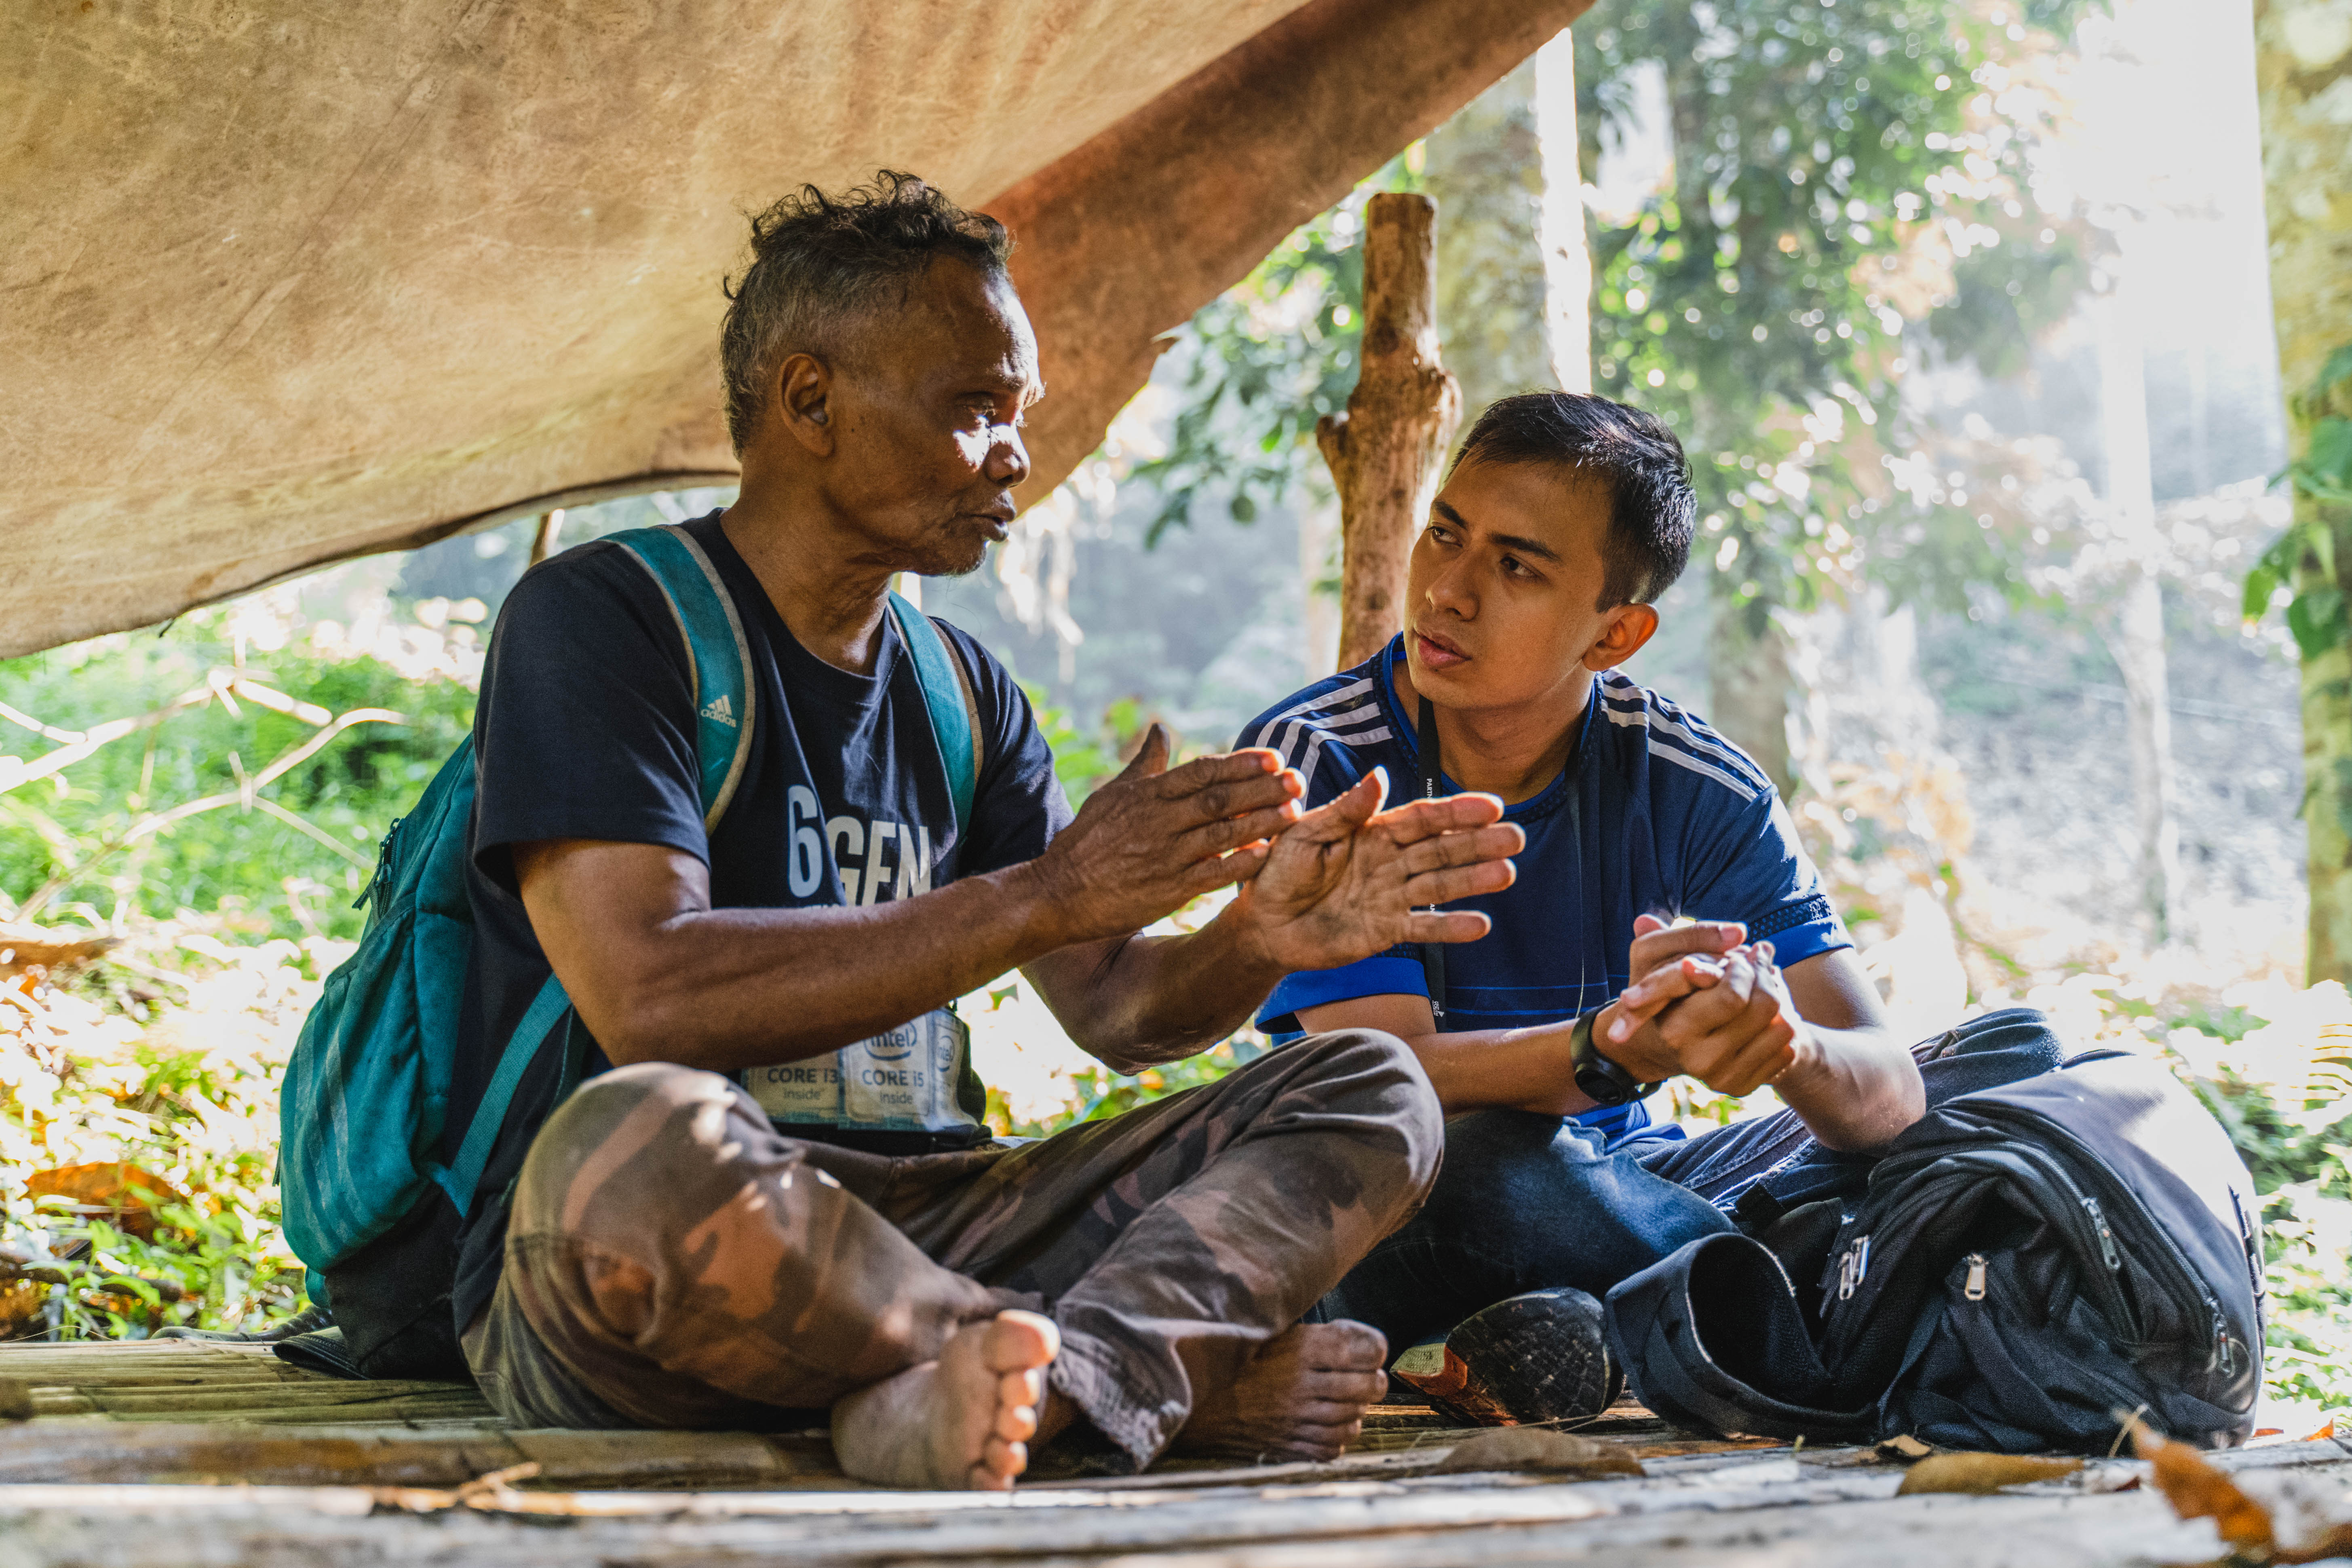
x: 673, y: 1261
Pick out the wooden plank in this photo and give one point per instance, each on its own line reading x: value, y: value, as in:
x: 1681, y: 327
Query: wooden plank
x: 396, y: 1441
x: 48, y: 1361
x: 270, y: 1455
x: 112, y: 1451
x: 1654, y: 1524
x: 197, y: 1380
x: 340, y: 1403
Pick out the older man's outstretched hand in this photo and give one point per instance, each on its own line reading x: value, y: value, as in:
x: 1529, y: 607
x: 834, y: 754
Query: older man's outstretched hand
x: 1156, y: 838
x: 1349, y: 879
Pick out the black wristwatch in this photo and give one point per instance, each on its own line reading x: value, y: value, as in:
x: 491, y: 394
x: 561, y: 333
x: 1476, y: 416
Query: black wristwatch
x: 1597, y: 1079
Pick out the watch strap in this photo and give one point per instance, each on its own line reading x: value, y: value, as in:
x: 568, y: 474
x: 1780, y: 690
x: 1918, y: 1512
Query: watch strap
x: 1597, y: 1079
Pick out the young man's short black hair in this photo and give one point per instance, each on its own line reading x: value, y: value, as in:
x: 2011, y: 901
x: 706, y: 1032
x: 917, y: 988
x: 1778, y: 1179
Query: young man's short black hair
x: 822, y: 264
x: 1652, y: 506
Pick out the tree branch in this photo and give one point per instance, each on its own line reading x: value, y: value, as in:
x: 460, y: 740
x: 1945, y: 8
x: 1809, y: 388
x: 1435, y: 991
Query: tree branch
x: 1385, y: 450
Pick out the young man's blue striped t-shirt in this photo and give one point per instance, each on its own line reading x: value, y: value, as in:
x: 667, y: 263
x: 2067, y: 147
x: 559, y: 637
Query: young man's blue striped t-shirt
x: 1656, y: 812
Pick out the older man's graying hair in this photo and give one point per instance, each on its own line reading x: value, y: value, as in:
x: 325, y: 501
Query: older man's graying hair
x: 818, y: 262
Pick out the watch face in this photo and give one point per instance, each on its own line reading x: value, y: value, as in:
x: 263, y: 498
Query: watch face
x: 1602, y: 1087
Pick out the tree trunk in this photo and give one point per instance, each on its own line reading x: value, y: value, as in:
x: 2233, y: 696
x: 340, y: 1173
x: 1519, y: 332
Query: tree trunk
x: 2327, y: 776
x: 1513, y: 275
x: 1384, y: 451
x: 1485, y: 169
x: 2302, y: 52
x: 2133, y: 624
x: 1567, y: 253
x: 1319, y: 526
x: 1509, y: 279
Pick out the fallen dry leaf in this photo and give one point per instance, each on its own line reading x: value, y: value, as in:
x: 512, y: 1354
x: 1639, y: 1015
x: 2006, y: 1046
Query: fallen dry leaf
x: 487, y: 1494
x: 126, y: 1195
x: 1535, y: 1448
x: 1903, y: 1450
x: 2335, y: 1541
x: 2196, y: 1489
x: 1981, y: 1473
x: 21, y: 1303
x: 49, y: 950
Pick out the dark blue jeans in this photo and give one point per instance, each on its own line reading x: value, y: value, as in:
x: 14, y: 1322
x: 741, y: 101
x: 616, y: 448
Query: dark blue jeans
x: 1527, y: 1201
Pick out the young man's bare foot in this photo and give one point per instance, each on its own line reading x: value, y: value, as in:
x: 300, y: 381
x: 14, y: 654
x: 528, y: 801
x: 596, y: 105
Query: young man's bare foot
x: 1302, y: 1398
x: 959, y: 1423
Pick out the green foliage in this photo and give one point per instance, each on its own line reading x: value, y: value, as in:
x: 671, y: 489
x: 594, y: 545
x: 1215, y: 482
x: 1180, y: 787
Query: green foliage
x: 1261, y: 364
x: 2304, y: 557
x: 1096, y: 1094
x: 2282, y: 1146
x: 2006, y: 299
x: 1824, y: 153
x: 2283, y: 1094
x: 2309, y: 1306
x: 1824, y: 156
x: 166, y: 1057
x: 201, y: 1270
x: 2302, y: 1165
x: 253, y: 864
x: 1082, y: 760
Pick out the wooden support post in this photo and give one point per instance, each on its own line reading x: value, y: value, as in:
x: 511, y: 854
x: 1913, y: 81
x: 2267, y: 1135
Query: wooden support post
x: 542, y: 543
x: 1385, y: 450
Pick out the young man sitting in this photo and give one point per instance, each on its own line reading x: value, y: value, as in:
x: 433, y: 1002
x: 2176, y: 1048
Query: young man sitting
x: 1563, y: 517
x: 704, y: 1234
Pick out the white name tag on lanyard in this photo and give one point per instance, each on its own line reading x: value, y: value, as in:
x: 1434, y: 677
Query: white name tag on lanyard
x: 900, y: 1080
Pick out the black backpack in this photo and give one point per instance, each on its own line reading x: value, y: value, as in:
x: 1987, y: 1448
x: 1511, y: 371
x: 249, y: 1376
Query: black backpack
x: 2026, y: 1261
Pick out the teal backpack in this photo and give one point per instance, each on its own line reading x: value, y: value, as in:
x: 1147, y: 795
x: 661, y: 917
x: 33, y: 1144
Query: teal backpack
x: 366, y: 1095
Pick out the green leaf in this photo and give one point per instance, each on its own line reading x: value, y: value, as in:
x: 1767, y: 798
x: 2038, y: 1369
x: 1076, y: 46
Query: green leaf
x: 2330, y: 455
x: 2338, y: 368
x: 2343, y: 793
x: 2316, y: 619
x: 2261, y: 583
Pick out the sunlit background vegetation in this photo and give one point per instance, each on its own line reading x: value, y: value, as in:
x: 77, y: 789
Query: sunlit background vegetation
x: 1872, y: 264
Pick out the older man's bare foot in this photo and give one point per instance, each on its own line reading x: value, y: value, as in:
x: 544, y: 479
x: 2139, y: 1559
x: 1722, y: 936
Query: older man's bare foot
x: 1302, y: 1398
x: 959, y: 1423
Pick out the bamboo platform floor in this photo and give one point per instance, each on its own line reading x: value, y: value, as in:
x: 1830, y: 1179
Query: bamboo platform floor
x: 187, y: 1455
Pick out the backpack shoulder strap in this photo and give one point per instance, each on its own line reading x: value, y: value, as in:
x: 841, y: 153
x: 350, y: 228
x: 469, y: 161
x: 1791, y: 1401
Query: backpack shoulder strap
x: 949, y: 699
x: 718, y: 653
x: 721, y: 660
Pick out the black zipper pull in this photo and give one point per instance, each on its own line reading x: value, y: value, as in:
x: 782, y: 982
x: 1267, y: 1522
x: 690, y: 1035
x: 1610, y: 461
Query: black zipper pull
x: 2108, y: 1252
x: 383, y: 873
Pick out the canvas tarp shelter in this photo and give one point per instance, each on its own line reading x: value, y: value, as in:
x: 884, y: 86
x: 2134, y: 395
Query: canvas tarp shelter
x: 283, y: 283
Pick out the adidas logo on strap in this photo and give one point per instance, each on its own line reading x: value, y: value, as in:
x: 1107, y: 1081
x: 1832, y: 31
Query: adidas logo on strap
x: 718, y: 711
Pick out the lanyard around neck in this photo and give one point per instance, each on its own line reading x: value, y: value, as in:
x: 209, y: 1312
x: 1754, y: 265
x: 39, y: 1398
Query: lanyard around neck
x: 1432, y: 954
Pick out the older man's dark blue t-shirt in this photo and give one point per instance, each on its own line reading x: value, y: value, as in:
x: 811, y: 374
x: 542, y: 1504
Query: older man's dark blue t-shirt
x: 1656, y: 812
x: 586, y: 730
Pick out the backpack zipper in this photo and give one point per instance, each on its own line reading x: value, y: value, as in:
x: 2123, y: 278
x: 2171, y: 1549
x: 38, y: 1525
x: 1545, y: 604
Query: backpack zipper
x: 2159, y: 1253
x: 1975, y: 1288
x: 1853, y: 1263
x: 2071, y: 1211
x: 383, y: 873
x: 2107, y: 1253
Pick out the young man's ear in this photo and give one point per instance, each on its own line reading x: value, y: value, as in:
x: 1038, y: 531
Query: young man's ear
x: 1629, y: 626
x: 804, y: 402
